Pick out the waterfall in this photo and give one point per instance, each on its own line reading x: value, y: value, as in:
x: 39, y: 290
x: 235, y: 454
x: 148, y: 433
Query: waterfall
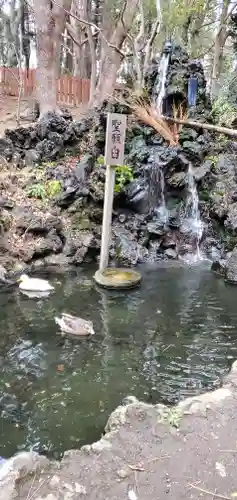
x: 160, y: 90
x: 157, y: 193
x: 192, y: 223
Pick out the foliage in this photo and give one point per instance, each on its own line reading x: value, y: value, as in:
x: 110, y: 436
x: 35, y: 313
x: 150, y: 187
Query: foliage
x: 36, y: 191
x: 41, y: 190
x: 224, y: 108
x: 53, y: 188
x: 213, y: 159
x: 124, y: 175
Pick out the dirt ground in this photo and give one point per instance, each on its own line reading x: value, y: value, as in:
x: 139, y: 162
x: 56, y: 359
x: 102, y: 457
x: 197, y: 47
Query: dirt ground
x: 8, y: 107
x: 145, y: 457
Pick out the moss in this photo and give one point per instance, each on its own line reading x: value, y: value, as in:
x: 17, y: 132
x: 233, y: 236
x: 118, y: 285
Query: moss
x: 171, y: 416
x: 213, y: 159
x: 81, y: 221
x: 5, y: 221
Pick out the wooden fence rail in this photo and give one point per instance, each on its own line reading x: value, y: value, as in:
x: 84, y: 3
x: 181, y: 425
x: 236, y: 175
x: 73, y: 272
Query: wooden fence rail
x: 70, y: 89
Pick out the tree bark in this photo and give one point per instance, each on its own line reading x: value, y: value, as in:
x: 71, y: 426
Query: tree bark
x: 206, y: 126
x: 220, y: 41
x: 50, y: 24
x: 111, y: 56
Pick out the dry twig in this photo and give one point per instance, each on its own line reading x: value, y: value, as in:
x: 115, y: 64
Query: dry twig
x: 211, y: 493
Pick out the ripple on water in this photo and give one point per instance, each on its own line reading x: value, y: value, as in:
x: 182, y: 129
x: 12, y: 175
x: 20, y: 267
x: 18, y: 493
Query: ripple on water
x: 172, y: 338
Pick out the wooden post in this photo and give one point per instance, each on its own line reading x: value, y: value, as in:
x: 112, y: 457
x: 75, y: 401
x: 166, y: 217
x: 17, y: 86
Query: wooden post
x: 114, y: 155
x: 107, y: 216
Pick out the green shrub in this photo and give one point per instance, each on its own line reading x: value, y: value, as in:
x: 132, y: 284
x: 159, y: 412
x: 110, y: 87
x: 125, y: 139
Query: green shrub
x: 42, y: 190
x: 36, y: 191
x: 124, y: 175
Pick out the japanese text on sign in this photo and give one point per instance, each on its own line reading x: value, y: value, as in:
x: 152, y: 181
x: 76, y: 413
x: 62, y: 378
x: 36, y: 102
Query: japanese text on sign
x: 115, y: 139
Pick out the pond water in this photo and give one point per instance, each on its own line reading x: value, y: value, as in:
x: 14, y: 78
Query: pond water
x: 174, y: 337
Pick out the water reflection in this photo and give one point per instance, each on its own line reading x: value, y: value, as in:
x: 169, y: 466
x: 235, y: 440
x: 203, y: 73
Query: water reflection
x: 174, y: 337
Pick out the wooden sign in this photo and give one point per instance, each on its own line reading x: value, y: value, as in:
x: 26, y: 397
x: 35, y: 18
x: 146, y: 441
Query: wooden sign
x: 115, y: 139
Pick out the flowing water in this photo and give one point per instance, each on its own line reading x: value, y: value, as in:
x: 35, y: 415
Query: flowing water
x: 160, y: 91
x: 192, y: 223
x: 173, y: 337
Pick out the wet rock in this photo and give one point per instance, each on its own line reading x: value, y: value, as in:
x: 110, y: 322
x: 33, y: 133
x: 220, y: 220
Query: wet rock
x: 155, y: 229
x: 126, y: 250
x: 219, y: 267
x: 84, y: 247
x: 168, y: 241
x: 200, y: 172
x: 177, y: 180
x: 193, y: 151
x: 38, y: 223
x: 137, y: 196
x: 231, y: 267
x: 170, y: 253
x: 57, y: 261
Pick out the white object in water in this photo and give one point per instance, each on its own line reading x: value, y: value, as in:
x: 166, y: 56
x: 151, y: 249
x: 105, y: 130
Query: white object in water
x: 132, y: 495
x: 34, y: 284
x: 74, y: 326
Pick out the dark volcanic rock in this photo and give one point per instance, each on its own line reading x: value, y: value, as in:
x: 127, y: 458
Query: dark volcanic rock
x: 231, y: 267
x: 219, y: 267
x: 51, y: 244
x: 6, y: 148
x: 33, y: 223
x: 126, y: 250
x: 231, y: 221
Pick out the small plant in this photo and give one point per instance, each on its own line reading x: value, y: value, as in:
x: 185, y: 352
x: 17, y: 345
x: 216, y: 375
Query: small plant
x: 36, y: 191
x: 213, y: 160
x: 53, y: 188
x: 172, y: 417
x: 124, y: 175
x: 100, y: 160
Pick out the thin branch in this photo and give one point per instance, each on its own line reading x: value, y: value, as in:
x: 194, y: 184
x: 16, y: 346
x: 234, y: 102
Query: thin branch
x: 148, y: 47
x: 211, y: 493
x: 92, y: 25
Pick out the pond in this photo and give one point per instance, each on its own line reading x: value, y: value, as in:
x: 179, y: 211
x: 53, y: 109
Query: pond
x: 174, y: 337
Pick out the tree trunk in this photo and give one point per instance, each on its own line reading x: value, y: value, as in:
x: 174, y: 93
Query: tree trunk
x: 205, y: 126
x: 220, y: 41
x: 50, y: 24
x: 112, y: 57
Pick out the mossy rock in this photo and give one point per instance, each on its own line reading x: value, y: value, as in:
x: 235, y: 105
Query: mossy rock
x: 117, y: 278
x: 5, y: 220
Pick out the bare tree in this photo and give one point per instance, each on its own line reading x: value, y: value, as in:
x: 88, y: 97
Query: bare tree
x: 50, y: 22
